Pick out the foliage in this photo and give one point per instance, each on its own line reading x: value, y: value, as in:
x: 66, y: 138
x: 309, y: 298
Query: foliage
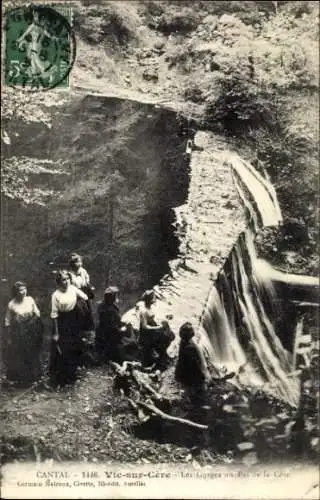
x: 241, y: 105
x: 112, y: 23
x: 264, y: 95
x: 182, y: 23
x: 153, y: 8
x: 173, y: 18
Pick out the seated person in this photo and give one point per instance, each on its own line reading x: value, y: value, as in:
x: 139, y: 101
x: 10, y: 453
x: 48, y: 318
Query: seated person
x: 154, y: 338
x: 191, y: 369
x: 115, y: 340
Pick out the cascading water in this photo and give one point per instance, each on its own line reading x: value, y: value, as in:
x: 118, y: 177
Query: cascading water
x: 237, y: 327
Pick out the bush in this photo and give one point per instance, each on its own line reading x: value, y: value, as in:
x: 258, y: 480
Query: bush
x: 116, y: 24
x: 299, y: 8
x: 175, y: 19
x: 180, y: 56
x: 152, y: 9
x: 177, y: 24
x: 241, y: 104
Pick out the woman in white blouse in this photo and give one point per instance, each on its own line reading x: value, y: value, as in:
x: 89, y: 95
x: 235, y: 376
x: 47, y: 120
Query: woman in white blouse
x: 24, y: 331
x: 68, y: 311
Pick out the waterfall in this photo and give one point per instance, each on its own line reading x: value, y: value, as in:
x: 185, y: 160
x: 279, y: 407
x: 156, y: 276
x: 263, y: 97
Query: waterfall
x: 237, y: 326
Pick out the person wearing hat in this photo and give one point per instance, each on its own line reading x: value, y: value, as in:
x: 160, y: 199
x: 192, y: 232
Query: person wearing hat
x: 115, y: 340
x: 154, y: 338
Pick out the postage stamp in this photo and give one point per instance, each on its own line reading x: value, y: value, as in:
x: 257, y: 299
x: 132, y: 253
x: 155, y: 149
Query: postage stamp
x: 39, y: 46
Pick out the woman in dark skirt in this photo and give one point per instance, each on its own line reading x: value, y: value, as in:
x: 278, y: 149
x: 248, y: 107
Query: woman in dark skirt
x: 115, y: 340
x: 23, y: 340
x: 68, y: 313
x: 80, y: 278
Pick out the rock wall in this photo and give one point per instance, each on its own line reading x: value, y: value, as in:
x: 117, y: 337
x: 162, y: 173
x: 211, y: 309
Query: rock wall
x: 208, y: 225
x: 124, y: 170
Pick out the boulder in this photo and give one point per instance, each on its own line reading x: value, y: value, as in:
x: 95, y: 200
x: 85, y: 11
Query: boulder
x: 159, y: 45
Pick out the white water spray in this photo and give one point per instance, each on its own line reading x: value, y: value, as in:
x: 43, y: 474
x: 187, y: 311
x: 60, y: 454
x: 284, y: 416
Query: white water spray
x: 237, y: 325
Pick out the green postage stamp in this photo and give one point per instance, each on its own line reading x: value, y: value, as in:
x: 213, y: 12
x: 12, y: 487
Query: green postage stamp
x: 39, y: 46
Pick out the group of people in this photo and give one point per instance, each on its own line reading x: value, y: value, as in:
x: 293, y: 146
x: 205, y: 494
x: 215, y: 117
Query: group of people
x: 76, y: 341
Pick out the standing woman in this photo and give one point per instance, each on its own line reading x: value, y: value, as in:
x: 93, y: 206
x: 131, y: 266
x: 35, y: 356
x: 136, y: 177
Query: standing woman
x: 68, y: 306
x: 24, y: 332
x: 80, y: 278
x: 78, y: 274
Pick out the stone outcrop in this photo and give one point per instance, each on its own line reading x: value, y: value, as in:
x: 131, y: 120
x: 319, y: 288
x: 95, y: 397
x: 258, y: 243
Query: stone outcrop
x: 208, y: 225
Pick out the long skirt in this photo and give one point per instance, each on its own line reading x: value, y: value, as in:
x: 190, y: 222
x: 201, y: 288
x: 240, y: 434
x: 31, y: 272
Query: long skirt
x: 66, y: 353
x: 23, y: 350
x: 154, y: 344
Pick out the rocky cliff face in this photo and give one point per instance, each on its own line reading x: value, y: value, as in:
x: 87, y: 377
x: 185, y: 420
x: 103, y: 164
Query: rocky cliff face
x: 208, y: 224
x: 113, y: 171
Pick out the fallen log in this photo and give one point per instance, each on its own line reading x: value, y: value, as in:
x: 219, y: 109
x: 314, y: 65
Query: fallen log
x: 165, y: 416
x: 145, y: 385
x: 130, y: 373
x: 141, y: 415
x: 125, y: 365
